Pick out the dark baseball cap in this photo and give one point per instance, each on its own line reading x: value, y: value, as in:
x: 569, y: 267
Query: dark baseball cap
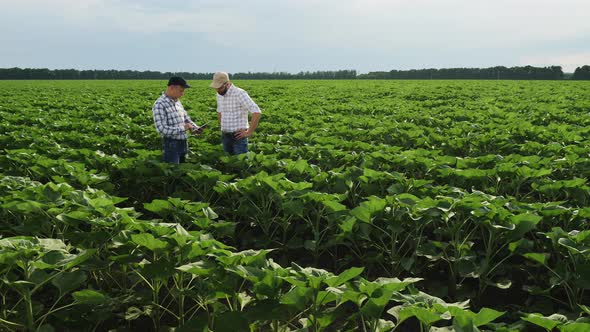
x: 177, y: 80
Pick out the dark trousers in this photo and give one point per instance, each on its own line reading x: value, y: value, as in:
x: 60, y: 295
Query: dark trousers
x: 232, y: 145
x: 174, y: 150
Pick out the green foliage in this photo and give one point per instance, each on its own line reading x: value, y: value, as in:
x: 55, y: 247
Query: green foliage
x: 383, y: 206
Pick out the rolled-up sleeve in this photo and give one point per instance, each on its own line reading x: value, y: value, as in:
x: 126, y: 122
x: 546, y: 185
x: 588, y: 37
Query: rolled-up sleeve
x: 248, y: 103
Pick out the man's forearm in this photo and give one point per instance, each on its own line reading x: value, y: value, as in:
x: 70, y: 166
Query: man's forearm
x: 254, y: 122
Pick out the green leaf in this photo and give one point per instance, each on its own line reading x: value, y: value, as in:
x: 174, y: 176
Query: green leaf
x: 161, y: 269
x: 347, y: 225
x: 75, y: 216
x: 28, y: 207
x: 520, y: 245
x: 384, y: 325
x: 75, y: 260
x: 407, y: 199
x: 367, y: 209
x: 300, y: 166
x: 198, y: 268
x: 425, y: 316
x: 537, y: 257
x: 326, y: 318
x: 344, y: 276
x: 9, y: 258
x: 91, y: 297
x: 298, y: 297
x: 524, y: 223
x: 147, y: 240
x: 325, y: 297
x: 52, y: 244
x: 102, y: 203
x: 573, y: 246
x: 224, y: 228
x: 361, y: 213
x: 209, y: 213
x: 231, y: 321
x: 158, y: 206
x: 463, y: 322
x: 394, y: 284
x: 68, y: 281
x: 377, y: 301
x: 200, y: 323
x: 485, y: 316
x: 51, y: 259
x: 21, y: 285
x: 268, y: 309
x: 334, y: 206
x: 547, y: 323
x: 575, y: 327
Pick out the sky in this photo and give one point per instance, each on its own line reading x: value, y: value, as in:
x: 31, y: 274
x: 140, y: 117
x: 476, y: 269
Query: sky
x: 293, y: 35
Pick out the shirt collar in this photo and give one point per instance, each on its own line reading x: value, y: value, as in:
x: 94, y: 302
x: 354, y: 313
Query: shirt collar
x: 229, y: 91
x: 170, y: 99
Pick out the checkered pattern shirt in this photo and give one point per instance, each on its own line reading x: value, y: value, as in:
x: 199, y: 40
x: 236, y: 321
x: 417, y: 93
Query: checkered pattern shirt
x: 234, y: 107
x: 170, y: 117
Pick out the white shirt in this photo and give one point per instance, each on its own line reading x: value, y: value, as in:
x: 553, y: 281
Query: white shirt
x: 234, y: 107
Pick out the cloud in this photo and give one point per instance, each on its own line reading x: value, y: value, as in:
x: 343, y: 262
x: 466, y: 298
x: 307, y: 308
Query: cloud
x: 308, y: 34
x: 142, y: 17
x: 366, y: 23
x: 450, y: 23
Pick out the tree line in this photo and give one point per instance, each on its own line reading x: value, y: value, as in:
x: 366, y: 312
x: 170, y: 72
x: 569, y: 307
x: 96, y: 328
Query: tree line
x: 74, y: 74
x: 582, y: 73
x: 492, y: 73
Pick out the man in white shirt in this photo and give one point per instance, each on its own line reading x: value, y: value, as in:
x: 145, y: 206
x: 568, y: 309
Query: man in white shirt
x: 233, y: 106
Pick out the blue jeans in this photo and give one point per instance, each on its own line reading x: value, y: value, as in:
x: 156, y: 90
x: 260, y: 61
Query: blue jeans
x: 174, y: 150
x: 232, y: 145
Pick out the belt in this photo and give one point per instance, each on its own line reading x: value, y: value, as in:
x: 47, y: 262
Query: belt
x: 231, y: 132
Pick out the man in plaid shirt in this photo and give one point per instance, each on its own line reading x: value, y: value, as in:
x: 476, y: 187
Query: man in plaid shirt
x: 233, y: 106
x: 172, y: 121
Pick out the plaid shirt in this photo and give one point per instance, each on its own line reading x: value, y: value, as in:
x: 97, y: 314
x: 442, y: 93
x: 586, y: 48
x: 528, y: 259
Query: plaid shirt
x: 170, y: 117
x: 234, y: 107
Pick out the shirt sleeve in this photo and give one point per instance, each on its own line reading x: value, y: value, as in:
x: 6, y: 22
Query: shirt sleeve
x: 248, y: 103
x: 159, y: 114
x: 186, y: 117
x: 217, y: 99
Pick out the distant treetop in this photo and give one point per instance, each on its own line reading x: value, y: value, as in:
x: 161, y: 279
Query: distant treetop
x: 492, y: 73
